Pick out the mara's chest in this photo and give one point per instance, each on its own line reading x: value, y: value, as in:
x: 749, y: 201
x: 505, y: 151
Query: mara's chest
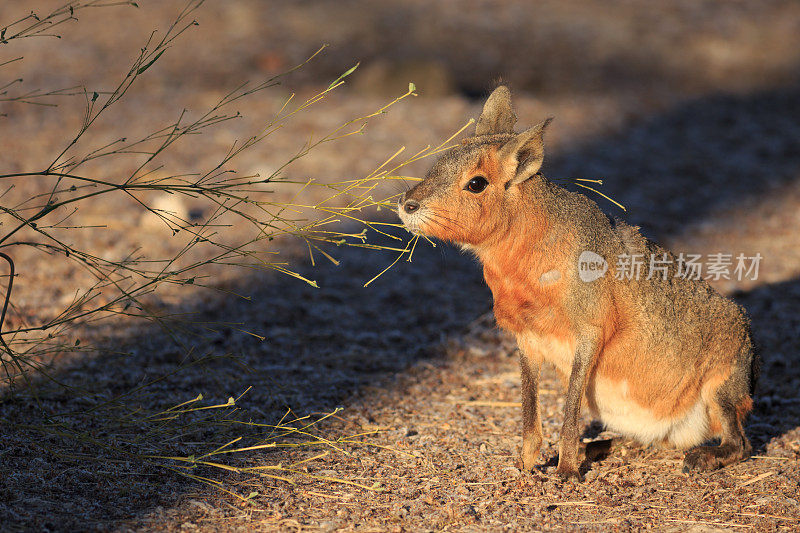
x: 529, y: 301
x: 555, y: 349
x: 531, y: 305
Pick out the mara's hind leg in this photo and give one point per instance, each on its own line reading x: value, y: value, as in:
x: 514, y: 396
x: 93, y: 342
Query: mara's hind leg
x: 729, y: 408
x: 733, y: 448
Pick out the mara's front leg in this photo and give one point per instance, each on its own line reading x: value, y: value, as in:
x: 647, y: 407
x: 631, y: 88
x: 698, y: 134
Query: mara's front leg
x: 587, y: 346
x: 529, y: 365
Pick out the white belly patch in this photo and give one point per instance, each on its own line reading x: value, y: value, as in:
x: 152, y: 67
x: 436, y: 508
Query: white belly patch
x: 615, y: 408
x: 610, y: 401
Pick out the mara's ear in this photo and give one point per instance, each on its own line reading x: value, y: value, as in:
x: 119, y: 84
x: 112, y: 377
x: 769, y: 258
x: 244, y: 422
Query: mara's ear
x: 525, y: 152
x: 498, y: 115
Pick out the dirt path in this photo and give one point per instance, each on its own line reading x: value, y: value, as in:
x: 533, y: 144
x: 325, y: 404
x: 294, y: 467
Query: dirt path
x: 445, y: 454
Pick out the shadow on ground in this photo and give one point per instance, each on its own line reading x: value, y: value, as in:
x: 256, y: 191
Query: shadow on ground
x: 775, y: 313
x: 543, y: 47
x: 681, y: 166
x: 323, y: 345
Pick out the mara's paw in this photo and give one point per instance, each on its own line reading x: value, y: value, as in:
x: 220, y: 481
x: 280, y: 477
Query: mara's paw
x: 698, y: 459
x: 527, y: 463
x: 569, y: 474
x: 705, y: 458
x: 600, y: 449
x: 528, y: 460
x: 530, y: 451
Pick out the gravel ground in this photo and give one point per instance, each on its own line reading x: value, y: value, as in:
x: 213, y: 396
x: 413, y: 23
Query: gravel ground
x: 702, y: 147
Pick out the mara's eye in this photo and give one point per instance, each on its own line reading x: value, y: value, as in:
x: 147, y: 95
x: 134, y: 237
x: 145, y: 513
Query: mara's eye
x: 477, y: 184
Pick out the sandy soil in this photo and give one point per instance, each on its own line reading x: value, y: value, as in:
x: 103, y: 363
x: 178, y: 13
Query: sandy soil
x: 690, y: 115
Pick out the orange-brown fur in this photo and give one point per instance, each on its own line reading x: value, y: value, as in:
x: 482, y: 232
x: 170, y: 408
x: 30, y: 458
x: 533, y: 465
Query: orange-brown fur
x: 666, y: 361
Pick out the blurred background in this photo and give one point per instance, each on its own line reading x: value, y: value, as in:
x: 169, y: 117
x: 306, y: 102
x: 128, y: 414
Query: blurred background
x: 457, y: 47
x: 699, y: 96
x: 688, y: 110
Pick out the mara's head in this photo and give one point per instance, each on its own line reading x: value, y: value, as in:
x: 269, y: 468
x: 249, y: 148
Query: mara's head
x: 471, y: 191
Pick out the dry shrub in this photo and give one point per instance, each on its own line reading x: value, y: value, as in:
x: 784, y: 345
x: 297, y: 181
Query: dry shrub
x: 218, y: 220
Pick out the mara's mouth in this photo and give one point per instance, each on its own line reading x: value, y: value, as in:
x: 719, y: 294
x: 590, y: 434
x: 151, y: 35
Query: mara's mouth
x: 414, y: 230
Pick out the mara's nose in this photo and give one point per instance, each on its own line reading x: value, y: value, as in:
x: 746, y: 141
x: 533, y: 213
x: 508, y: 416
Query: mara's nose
x: 410, y: 206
